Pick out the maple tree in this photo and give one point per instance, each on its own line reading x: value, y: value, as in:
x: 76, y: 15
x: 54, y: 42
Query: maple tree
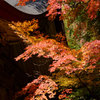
x: 73, y: 63
x: 70, y: 68
x: 57, y: 51
x: 38, y: 89
x: 78, y: 27
x: 53, y: 5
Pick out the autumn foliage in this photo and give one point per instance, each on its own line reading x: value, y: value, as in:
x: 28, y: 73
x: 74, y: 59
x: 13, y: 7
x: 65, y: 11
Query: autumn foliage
x: 93, y: 7
x: 63, y: 57
x: 72, y: 71
x: 39, y: 88
x: 62, y: 6
x: 73, y: 63
x: 23, y: 2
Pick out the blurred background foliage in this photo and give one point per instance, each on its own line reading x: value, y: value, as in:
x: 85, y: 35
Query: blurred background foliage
x: 79, y: 28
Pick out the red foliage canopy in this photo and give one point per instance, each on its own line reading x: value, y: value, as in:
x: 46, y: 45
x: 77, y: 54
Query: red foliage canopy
x: 54, y: 5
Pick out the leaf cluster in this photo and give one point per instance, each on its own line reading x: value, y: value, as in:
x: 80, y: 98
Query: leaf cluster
x: 78, y: 66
